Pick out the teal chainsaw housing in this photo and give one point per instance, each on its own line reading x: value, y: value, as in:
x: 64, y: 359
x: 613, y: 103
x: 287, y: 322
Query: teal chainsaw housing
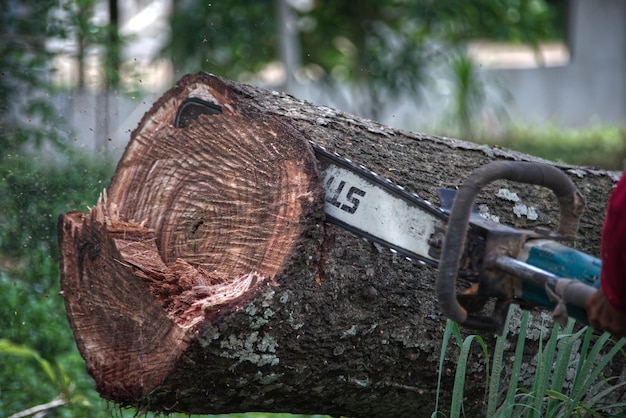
x: 562, y: 261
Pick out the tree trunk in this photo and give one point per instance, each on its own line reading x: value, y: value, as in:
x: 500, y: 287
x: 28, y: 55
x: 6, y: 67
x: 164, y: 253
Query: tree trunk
x: 206, y: 281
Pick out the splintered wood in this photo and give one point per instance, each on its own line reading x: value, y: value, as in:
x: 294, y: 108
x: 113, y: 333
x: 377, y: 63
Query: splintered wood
x: 205, y: 209
x: 187, y: 293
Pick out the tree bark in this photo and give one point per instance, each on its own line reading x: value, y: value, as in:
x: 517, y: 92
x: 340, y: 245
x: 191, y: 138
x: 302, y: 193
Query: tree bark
x: 206, y: 281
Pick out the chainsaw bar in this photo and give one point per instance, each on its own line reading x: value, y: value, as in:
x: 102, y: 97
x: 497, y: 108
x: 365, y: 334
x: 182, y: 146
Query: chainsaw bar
x: 360, y: 201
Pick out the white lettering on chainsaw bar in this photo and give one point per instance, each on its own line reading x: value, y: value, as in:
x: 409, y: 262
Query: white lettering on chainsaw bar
x: 370, y: 208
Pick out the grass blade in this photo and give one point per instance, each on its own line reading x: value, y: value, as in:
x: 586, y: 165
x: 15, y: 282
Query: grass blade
x: 591, y: 371
x: 459, y: 377
x: 444, y: 348
x: 545, y: 360
x: 509, y: 403
x: 498, y: 354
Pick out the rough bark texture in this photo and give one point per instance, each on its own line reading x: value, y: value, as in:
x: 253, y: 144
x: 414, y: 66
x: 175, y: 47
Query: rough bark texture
x: 207, y: 282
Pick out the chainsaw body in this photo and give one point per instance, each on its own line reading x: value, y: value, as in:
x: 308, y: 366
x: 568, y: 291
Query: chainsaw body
x: 530, y: 268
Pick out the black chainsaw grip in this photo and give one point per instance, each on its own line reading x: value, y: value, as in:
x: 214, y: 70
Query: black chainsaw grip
x: 571, y: 204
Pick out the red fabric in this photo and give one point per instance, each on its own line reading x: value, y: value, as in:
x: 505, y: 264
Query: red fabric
x: 613, y: 248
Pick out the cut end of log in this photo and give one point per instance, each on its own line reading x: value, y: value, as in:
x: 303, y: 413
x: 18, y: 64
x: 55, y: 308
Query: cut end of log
x: 121, y: 330
x: 188, y: 294
x: 207, y: 206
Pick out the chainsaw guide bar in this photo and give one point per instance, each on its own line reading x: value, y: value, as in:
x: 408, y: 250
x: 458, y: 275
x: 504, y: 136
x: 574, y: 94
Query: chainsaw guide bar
x: 377, y: 209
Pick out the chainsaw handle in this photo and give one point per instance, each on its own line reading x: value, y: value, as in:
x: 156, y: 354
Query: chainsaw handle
x: 571, y: 204
x: 574, y: 292
x: 569, y: 295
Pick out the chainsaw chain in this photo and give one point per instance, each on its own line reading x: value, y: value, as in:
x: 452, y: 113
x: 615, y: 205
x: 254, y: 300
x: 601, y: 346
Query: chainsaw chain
x: 322, y: 153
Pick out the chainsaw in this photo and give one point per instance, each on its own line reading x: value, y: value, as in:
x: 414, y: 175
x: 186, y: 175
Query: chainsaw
x: 532, y: 268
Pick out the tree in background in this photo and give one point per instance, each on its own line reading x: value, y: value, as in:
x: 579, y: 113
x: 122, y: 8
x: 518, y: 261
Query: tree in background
x: 39, y: 364
x: 228, y: 38
x: 32, y: 32
x: 25, y: 113
x: 381, y: 48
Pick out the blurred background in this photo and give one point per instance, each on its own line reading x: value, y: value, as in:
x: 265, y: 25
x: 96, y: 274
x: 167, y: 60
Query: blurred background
x: 494, y: 71
x: 545, y: 77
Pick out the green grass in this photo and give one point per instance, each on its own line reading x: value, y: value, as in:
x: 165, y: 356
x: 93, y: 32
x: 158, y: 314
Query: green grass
x: 39, y: 362
x: 602, y: 147
x: 563, y: 353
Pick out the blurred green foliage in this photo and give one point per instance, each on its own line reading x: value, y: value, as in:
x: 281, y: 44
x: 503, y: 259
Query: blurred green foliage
x: 603, y: 146
x: 374, y: 40
x: 226, y: 38
x: 39, y: 362
x: 38, y: 358
x: 25, y: 112
x: 33, y: 192
x: 380, y: 46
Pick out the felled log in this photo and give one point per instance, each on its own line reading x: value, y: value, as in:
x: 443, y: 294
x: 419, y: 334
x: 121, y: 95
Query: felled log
x: 205, y: 280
